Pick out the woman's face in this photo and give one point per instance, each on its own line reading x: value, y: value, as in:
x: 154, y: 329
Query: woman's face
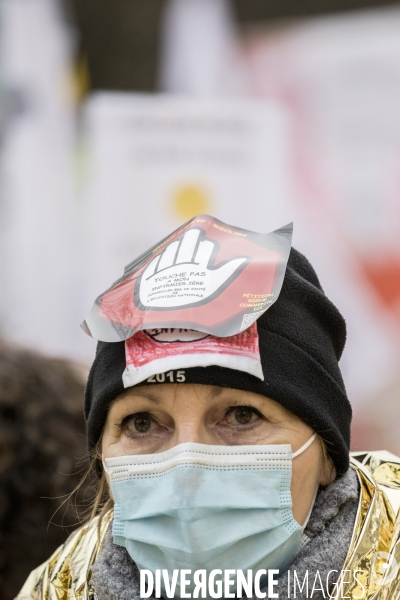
x: 150, y: 419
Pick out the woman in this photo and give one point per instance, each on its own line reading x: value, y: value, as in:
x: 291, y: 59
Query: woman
x: 212, y: 469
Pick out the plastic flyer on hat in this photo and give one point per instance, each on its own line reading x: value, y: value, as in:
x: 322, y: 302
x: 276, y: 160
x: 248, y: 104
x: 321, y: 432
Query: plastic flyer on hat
x: 162, y: 355
x: 207, y: 276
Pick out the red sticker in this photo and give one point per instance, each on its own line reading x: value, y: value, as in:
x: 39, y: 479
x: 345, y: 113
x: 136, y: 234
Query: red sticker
x: 206, y: 276
x: 162, y: 355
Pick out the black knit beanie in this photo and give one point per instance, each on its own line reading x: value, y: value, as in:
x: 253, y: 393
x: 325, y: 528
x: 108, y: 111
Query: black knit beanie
x: 301, y: 340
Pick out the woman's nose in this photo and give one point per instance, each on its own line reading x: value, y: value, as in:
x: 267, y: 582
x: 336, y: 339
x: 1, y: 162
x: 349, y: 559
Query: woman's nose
x: 192, y: 430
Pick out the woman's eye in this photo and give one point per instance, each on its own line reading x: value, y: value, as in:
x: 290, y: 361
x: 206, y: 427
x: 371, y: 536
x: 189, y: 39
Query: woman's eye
x: 140, y: 423
x: 242, y: 415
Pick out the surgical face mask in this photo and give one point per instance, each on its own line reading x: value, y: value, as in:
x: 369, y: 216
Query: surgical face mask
x: 198, y: 506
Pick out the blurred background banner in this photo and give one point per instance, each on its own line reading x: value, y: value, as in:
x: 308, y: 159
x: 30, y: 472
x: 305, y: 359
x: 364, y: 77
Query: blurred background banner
x: 37, y: 204
x: 199, y: 49
x: 120, y: 121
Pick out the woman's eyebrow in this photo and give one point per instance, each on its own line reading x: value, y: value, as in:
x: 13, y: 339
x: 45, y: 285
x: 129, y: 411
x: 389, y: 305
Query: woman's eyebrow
x: 217, y: 391
x: 146, y: 395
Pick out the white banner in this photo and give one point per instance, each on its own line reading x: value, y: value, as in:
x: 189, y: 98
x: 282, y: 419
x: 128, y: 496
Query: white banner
x: 38, y: 235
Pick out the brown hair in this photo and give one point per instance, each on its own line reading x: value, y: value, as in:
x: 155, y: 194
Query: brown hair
x: 327, y: 463
x: 100, y: 501
x: 42, y: 456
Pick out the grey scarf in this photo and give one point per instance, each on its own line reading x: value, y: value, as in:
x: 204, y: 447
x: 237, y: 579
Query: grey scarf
x: 116, y: 577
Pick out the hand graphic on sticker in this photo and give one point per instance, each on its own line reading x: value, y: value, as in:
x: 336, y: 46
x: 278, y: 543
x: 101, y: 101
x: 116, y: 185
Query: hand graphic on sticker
x: 184, y: 273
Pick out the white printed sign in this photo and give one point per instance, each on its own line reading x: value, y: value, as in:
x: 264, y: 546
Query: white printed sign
x: 187, y: 264
x: 211, y: 289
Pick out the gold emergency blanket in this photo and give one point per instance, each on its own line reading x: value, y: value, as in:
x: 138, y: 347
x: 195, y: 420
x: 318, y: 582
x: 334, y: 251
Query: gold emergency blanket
x: 66, y: 575
x: 376, y: 538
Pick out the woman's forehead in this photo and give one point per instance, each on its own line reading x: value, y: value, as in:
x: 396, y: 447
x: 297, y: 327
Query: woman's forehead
x: 172, y: 390
x: 169, y: 393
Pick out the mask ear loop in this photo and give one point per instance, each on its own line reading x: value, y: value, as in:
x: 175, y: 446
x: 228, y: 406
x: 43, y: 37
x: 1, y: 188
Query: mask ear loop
x: 297, y: 453
x: 105, y: 467
x: 304, y: 446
